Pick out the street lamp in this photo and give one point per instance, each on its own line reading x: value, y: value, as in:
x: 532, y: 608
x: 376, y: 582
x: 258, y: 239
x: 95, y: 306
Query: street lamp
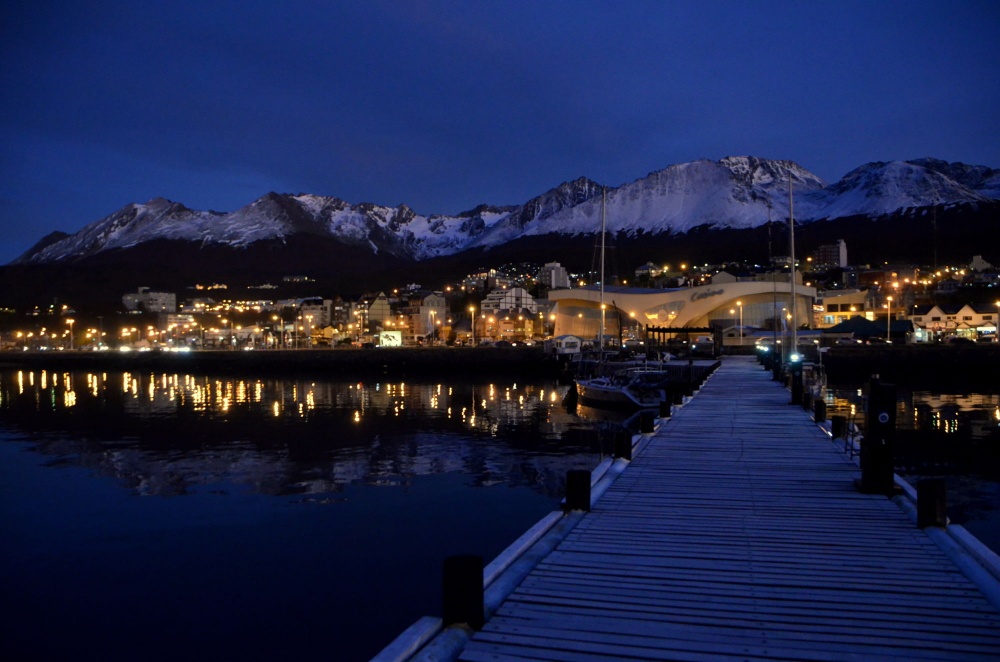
x: 472, y: 318
x: 739, y: 305
x: 996, y: 324
x: 888, y: 319
x: 70, y: 322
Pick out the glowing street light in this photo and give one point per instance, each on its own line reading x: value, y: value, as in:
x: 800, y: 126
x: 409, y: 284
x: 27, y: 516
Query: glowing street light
x: 996, y: 323
x: 739, y: 304
x: 70, y: 322
x: 472, y: 318
x: 888, y: 319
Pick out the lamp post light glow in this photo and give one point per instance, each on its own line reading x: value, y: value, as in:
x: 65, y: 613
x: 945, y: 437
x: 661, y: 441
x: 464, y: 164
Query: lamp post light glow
x: 888, y: 319
x: 70, y: 322
x: 739, y: 304
x: 472, y: 320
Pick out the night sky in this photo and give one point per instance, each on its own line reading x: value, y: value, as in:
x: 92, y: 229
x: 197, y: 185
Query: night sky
x: 446, y: 105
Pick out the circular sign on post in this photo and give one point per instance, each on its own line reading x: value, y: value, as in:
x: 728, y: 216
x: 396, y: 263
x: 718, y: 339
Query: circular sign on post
x: 883, y: 418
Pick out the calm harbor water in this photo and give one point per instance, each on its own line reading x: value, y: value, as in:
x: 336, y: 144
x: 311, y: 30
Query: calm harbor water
x: 179, y: 516
x: 954, y: 436
x: 162, y: 516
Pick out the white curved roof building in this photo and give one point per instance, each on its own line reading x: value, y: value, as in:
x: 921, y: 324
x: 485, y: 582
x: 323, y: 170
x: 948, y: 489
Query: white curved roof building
x: 578, y: 310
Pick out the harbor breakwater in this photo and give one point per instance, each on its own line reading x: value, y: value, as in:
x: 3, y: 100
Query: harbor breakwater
x: 336, y: 364
x: 964, y: 365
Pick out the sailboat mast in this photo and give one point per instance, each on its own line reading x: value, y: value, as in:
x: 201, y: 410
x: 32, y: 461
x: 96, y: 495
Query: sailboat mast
x: 791, y: 241
x: 604, y: 192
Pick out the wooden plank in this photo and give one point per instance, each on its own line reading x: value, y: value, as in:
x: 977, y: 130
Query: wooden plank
x: 737, y: 532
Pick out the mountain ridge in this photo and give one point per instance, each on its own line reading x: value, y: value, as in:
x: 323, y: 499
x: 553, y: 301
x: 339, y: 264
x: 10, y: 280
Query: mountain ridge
x: 734, y: 192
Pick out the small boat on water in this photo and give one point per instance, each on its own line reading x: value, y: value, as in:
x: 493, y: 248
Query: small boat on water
x: 633, y: 388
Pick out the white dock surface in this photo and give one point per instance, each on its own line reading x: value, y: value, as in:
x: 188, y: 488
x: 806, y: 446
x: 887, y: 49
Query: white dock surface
x: 737, y: 533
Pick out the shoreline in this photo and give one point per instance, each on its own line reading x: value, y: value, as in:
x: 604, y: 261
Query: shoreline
x: 407, y: 362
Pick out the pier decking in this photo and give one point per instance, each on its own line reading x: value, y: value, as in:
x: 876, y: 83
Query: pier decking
x: 737, y: 531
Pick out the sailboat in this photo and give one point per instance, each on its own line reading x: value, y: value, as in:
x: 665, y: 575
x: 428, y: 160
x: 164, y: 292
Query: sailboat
x: 630, y: 386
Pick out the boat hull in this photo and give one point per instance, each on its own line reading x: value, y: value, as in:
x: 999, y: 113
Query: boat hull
x: 606, y: 395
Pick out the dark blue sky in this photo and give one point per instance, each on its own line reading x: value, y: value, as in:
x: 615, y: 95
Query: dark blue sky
x: 445, y: 105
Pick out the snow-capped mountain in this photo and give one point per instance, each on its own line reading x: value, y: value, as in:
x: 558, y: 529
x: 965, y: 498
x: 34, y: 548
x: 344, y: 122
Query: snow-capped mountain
x: 734, y: 192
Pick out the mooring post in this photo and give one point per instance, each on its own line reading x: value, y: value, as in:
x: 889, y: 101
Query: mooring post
x: 796, y: 388
x: 676, y: 394
x: 932, y: 503
x: 665, y: 409
x: 462, y: 591
x: 578, y: 490
x: 838, y: 426
x: 647, y: 421
x: 877, y: 459
x: 819, y: 410
x: 623, y: 445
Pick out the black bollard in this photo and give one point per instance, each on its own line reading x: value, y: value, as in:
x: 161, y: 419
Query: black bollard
x: 807, y: 399
x: 623, y: 444
x: 578, y: 490
x: 819, y: 410
x: 463, y: 591
x: 877, y: 445
x: 677, y: 395
x: 796, y: 388
x: 665, y: 409
x: 932, y: 503
x: 838, y: 426
x: 647, y: 421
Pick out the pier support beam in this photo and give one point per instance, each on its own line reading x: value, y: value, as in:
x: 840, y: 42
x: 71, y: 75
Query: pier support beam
x: 838, y: 426
x: 578, y: 490
x: 877, y: 446
x: 623, y: 445
x: 819, y: 413
x: 932, y: 503
x: 463, y: 591
x: 647, y: 421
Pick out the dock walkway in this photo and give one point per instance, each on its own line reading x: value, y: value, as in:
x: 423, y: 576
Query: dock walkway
x: 737, y: 532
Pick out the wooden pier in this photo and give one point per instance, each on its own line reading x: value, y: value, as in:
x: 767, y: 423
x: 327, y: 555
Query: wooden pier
x: 736, y: 532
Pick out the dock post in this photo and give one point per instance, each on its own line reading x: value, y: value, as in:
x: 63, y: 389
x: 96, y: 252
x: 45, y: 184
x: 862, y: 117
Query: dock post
x: 578, y: 490
x: 796, y: 388
x: 665, y: 409
x: 462, y: 594
x: 877, y: 467
x: 676, y: 394
x: 819, y: 413
x: 838, y: 426
x: 932, y: 503
x: 647, y: 421
x: 623, y: 445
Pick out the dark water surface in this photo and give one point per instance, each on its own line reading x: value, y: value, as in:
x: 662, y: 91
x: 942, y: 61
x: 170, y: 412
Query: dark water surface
x: 187, y: 517
x: 160, y: 516
x: 954, y: 436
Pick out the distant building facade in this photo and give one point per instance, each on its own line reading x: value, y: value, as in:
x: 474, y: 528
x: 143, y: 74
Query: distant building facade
x: 146, y: 301
x: 831, y: 255
x: 553, y: 275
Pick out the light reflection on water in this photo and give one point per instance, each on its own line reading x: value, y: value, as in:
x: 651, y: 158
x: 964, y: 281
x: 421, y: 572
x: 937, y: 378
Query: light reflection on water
x: 955, y: 436
x: 259, y: 518
x: 166, y: 433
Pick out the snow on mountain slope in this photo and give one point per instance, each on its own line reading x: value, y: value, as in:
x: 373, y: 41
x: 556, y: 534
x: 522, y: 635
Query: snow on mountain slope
x: 734, y: 192
x: 881, y: 188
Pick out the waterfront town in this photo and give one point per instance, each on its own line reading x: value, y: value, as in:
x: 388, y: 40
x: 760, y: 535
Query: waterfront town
x: 527, y: 304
